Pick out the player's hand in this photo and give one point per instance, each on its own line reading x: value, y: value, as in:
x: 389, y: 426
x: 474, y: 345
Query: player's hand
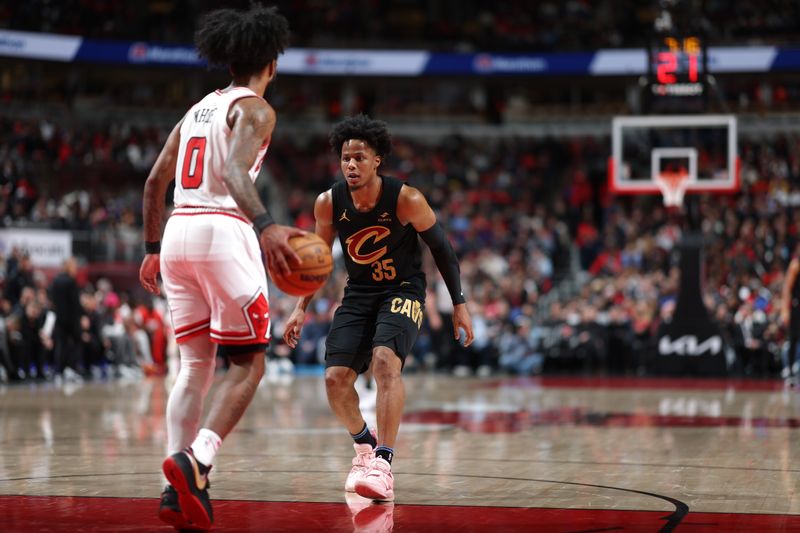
x: 291, y: 334
x: 784, y: 317
x: 275, y: 243
x: 148, y: 273
x: 462, y: 320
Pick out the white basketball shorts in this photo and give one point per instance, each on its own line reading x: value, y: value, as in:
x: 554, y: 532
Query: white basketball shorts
x: 214, y: 277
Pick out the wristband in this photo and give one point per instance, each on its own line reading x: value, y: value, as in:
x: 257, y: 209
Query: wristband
x: 262, y: 222
x: 152, y: 247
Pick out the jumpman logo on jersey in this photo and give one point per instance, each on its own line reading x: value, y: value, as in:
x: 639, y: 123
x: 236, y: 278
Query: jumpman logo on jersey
x: 344, y: 216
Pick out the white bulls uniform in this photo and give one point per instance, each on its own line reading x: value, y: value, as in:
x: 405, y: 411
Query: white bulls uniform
x: 211, y: 261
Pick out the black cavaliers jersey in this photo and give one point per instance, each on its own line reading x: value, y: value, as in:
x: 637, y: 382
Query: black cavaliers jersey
x: 378, y: 250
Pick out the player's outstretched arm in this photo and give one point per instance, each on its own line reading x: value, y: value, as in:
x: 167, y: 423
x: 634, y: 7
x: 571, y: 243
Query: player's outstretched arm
x: 155, y: 190
x: 252, y: 121
x: 323, y: 213
x: 413, y: 208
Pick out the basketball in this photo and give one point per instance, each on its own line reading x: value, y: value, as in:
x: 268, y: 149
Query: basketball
x: 316, y: 263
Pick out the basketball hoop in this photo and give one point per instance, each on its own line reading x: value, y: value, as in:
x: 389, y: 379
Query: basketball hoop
x: 673, y: 186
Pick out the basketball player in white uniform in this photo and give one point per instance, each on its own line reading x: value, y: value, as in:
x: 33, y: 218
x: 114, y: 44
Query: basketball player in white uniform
x: 210, y: 260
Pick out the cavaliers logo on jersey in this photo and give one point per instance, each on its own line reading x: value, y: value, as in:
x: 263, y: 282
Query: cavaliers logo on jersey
x: 367, y: 237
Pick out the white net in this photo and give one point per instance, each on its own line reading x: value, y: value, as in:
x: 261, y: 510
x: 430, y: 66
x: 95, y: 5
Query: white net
x: 673, y: 186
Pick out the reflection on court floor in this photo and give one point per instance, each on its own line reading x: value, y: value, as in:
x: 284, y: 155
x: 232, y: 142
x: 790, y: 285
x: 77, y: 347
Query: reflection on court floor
x: 556, y: 454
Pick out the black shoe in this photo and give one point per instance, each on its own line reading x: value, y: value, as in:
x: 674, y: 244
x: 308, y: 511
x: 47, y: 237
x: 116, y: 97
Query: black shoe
x: 169, y: 510
x: 189, y: 478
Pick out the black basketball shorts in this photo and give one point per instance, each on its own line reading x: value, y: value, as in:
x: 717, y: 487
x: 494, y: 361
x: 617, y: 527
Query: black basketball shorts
x: 370, y: 317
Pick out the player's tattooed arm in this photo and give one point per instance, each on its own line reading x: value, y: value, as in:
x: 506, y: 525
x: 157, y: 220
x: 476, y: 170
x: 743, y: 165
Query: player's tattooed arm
x: 155, y: 188
x: 252, y: 121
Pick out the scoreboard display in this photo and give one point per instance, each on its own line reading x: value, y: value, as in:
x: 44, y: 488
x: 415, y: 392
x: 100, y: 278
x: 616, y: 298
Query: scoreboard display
x: 677, y: 73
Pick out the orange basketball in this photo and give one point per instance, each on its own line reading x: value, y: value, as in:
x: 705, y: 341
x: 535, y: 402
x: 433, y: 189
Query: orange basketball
x: 316, y: 263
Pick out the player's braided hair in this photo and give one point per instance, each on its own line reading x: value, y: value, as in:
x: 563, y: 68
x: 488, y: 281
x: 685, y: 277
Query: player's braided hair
x: 373, y: 132
x: 245, y: 41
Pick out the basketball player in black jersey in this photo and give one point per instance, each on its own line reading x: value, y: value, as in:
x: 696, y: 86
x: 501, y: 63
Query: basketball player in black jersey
x: 378, y: 219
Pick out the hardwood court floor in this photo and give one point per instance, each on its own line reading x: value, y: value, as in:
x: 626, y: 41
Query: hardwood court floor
x: 551, y: 454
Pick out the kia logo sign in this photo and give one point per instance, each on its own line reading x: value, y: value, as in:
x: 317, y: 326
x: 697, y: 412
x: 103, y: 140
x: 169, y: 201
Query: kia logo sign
x: 689, y: 345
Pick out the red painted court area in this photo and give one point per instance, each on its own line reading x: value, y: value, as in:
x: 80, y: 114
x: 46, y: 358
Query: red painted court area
x: 636, y: 383
x: 58, y: 513
x: 503, y: 422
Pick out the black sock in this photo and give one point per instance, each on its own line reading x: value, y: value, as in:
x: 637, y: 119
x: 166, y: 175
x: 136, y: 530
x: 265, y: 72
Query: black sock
x: 385, y: 453
x: 365, y: 436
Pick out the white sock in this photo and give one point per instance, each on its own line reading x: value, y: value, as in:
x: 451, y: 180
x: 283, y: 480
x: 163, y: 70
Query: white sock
x: 205, y: 446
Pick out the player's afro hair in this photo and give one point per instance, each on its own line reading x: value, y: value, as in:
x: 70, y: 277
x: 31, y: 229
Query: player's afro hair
x: 373, y: 132
x: 244, y: 41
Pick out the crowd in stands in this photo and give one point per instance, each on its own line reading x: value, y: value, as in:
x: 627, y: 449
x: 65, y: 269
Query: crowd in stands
x: 560, y: 276
x: 39, y: 152
x: 630, y: 281
x: 41, y: 164
x: 467, y: 25
x: 65, y: 329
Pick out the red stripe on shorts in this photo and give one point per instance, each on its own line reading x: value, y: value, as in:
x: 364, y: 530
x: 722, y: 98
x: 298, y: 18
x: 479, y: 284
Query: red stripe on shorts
x: 228, y: 342
x: 232, y: 333
x: 211, y: 213
x: 186, y: 336
x: 184, y: 329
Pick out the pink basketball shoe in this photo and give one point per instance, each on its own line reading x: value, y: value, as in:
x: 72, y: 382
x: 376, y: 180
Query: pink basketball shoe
x: 364, y: 456
x: 378, y: 482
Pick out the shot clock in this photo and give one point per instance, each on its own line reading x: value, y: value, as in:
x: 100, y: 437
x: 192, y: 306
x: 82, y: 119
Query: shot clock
x: 677, y: 73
